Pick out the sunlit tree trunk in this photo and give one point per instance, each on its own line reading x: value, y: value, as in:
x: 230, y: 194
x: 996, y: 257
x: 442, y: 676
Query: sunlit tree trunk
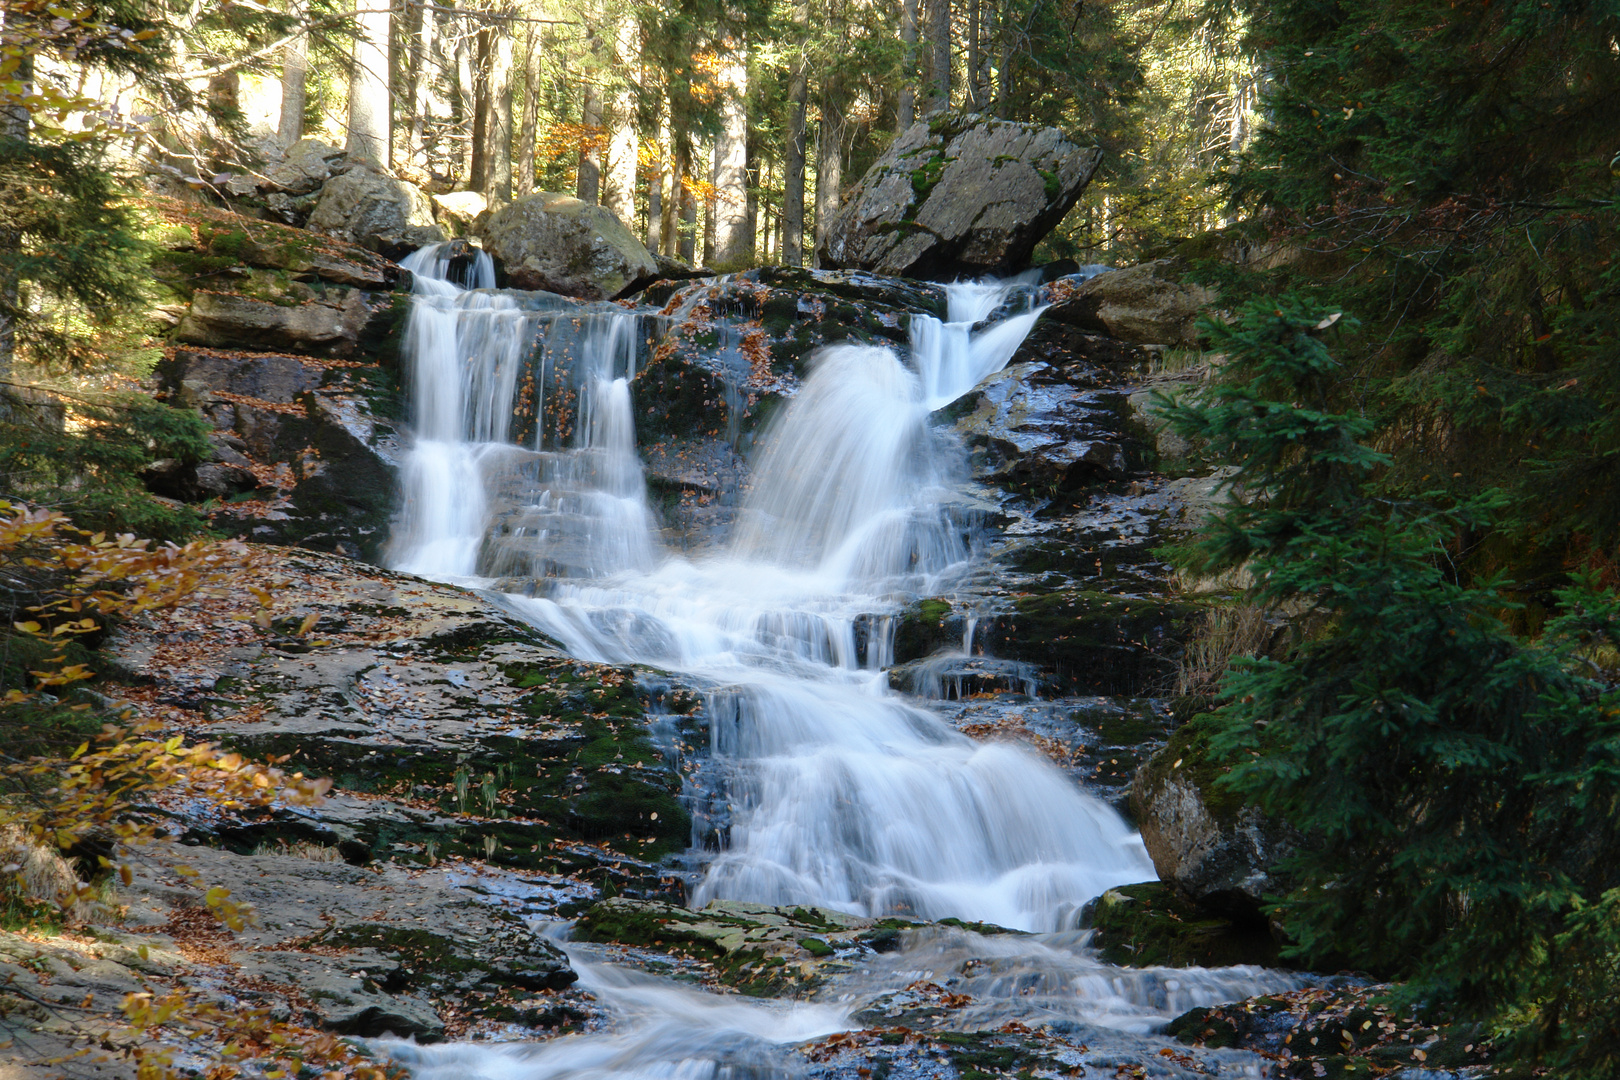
x: 498, y: 129
x: 370, y: 105
x: 14, y: 121
x: 733, y: 236
x: 294, y: 82
x: 528, y: 132
x: 619, y: 194
x: 465, y: 104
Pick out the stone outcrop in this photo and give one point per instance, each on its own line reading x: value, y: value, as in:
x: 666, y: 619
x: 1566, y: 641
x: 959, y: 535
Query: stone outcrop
x: 375, y: 211
x: 1152, y: 925
x: 957, y: 195
x: 320, y: 327
x: 302, y: 435
x: 1144, y: 304
x: 563, y: 245
x: 1206, y: 842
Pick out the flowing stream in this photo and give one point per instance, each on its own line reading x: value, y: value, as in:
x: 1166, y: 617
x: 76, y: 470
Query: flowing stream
x: 838, y: 792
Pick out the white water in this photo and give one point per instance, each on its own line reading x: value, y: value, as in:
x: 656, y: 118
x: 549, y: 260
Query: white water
x: 841, y: 794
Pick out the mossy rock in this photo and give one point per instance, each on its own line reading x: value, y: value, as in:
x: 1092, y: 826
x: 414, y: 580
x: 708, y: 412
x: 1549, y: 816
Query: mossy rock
x: 1095, y: 642
x: 1149, y: 925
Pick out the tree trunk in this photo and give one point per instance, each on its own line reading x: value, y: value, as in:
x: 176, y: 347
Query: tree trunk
x: 751, y: 202
x: 529, y: 134
x: 498, y: 130
x: 906, y: 111
x: 619, y: 194
x: 686, y: 234
x: 655, y: 189
x: 465, y: 105
x: 939, y: 42
x: 792, y: 253
x: 589, y: 185
x: 14, y: 122
x: 829, y: 158
x: 423, y: 52
x: 709, y: 208
x: 370, y: 105
x: 479, y: 176
x: 294, y: 81
x: 733, y: 238
x: 975, y: 92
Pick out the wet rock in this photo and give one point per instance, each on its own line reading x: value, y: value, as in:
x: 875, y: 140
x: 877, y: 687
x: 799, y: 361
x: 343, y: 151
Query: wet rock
x: 1340, y: 1030
x: 1144, y: 304
x: 958, y: 194
x: 1093, y: 641
x: 315, y: 438
x: 1146, y: 404
x: 449, y: 726
x: 318, y: 327
x: 1204, y: 840
x: 1151, y: 925
x: 375, y: 211
x: 1035, y: 432
x: 735, y: 348
x: 759, y: 949
x: 563, y: 245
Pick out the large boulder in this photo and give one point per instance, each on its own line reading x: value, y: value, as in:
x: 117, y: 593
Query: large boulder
x: 1218, y: 851
x: 1143, y: 304
x: 378, y: 212
x: 320, y: 327
x: 567, y: 246
x: 959, y: 194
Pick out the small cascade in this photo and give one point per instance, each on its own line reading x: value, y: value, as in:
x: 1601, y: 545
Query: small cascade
x: 476, y: 501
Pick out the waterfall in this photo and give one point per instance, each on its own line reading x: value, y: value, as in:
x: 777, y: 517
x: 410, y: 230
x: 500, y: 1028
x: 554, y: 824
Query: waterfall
x: 841, y: 794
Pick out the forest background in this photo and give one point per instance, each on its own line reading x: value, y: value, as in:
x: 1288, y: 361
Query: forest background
x: 1410, y: 209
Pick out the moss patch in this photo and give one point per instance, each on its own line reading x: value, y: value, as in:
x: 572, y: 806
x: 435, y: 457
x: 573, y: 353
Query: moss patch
x: 1148, y: 925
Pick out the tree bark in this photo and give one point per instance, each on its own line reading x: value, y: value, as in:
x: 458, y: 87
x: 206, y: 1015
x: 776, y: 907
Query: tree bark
x: 829, y: 157
x: 619, y: 191
x: 589, y: 184
x: 733, y: 238
x: 906, y: 110
x: 976, y: 100
x: 939, y: 43
x: 498, y: 130
x: 685, y: 245
x: 294, y: 81
x: 528, y: 134
x: 370, y: 105
x: 465, y: 105
x: 792, y: 253
x: 14, y: 124
x: 655, y: 189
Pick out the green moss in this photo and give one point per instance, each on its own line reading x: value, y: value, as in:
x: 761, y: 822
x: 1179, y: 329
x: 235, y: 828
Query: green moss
x: 1149, y: 925
x: 1187, y: 757
x: 816, y: 947
x: 1053, y: 185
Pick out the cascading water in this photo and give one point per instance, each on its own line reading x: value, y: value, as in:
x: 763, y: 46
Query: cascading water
x: 840, y: 794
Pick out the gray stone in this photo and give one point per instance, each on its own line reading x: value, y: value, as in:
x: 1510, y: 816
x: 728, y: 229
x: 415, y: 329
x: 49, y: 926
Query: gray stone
x: 563, y: 245
x: 959, y: 194
x: 1218, y: 852
x: 327, y: 327
x: 280, y: 379
x: 378, y: 212
x: 1033, y: 431
x: 1144, y: 304
x: 457, y: 210
x: 306, y: 166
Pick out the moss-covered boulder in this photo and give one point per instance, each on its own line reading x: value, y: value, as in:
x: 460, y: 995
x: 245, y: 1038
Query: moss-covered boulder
x: 756, y: 948
x: 1151, y: 925
x: 1215, y: 849
x: 1091, y: 641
